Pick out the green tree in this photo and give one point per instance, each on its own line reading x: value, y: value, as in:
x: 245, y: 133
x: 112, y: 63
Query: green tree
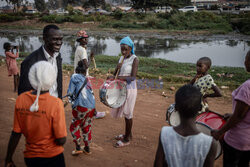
x: 40, y: 5
x: 70, y: 9
x: 144, y: 4
x: 52, y: 4
x: 95, y: 3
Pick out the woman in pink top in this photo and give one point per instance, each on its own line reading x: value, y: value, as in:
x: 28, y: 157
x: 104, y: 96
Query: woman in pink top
x: 11, y: 63
x: 236, y: 145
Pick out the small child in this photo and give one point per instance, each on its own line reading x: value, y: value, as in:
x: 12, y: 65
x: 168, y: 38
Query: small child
x: 184, y: 145
x: 205, y: 82
x: 83, y: 109
x: 11, y: 62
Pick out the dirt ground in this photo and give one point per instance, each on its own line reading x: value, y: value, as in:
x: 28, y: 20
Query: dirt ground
x: 149, y: 117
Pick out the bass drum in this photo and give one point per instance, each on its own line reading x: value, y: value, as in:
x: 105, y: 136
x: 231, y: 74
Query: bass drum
x: 172, y: 116
x: 113, y: 93
x: 207, y: 121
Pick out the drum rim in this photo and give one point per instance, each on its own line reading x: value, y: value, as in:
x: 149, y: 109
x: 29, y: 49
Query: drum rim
x: 104, y: 101
x: 201, y: 123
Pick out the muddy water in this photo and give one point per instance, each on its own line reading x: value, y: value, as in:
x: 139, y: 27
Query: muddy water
x: 223, y: 52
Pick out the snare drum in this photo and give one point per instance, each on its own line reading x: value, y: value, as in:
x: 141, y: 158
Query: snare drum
x: 172, y: 116
x: 113, y: 93
x: 207, y: 121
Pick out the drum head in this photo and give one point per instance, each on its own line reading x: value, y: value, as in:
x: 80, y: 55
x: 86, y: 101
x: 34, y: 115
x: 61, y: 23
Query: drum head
x: 116, y: 96
x: 172, y: 116
x: 113, y: 93
x: 206, y: 130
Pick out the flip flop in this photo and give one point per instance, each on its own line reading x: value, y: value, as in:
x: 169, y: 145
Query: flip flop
x: 120, y: 144
x: 77, y: 152
x: 84, y: 151
x: 100, y: 115
x: 119, y: 137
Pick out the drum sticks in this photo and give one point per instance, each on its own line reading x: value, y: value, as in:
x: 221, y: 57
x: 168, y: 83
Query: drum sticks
x: 119, y: 68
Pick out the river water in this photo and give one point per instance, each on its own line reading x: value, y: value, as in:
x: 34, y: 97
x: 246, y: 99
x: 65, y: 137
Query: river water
x: 223, y: 52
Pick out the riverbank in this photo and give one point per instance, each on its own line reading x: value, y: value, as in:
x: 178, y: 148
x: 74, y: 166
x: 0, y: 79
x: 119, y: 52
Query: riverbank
x: 172, y: 74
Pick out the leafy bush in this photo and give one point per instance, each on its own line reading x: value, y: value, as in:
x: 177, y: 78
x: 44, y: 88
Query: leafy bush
x: 49, y: 18
x: 77, y: 18
x: 10, y: 18
x: 118, y: 14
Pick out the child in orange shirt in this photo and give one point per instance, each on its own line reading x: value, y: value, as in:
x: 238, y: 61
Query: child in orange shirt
x: 40, y: 118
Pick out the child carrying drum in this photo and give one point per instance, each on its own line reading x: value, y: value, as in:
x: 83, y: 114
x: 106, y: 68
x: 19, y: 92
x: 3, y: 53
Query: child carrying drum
x: 184, y: 145
x: 205, y: 82
x: 83, y: 108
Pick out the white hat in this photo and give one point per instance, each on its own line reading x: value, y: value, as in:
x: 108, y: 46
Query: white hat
x: 42, y: 77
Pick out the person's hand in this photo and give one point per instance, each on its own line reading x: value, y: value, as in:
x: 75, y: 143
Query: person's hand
x: 10, y: 164
x: 92, y: 55
x: 119, y: 66
x: 204, y: 99
x: 216, y: 134
x: 226, y: 116
x: 110, y: 77
x: 198, y: 76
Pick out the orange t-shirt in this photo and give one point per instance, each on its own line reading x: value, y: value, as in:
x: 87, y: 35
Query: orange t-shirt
x: 40, y: 128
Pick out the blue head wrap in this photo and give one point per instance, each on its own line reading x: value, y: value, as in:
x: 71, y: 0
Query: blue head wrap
x: 129, y: 42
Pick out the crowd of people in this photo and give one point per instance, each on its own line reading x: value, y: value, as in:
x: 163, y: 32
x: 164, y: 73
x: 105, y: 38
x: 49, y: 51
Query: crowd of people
x: 39, y: 110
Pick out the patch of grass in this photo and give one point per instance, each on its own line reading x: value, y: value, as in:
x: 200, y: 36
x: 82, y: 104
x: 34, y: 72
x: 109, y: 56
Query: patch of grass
x: 178, y: 73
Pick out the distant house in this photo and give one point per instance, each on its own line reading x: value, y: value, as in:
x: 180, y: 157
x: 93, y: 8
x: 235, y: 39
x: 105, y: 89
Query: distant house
x: 79, y: 8
x: 124, y: 8
x: 6, y: 9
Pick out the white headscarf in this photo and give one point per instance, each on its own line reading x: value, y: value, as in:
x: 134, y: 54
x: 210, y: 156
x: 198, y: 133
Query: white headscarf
x: 42, y: 77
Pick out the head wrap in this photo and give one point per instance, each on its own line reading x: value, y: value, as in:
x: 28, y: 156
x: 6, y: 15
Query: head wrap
x: 129, y: 42
x: 42, y: 77
x: 82, y: 34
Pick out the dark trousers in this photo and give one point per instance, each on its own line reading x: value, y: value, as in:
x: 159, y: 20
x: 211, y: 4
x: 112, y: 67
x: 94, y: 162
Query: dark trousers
x: 235, y: 158
x: 56, y: 161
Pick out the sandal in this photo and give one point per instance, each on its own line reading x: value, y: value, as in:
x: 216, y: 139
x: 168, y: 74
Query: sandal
x: 120, y: 144
x: 119, y: 137
x: 84, y: 151
x: 77, y: 152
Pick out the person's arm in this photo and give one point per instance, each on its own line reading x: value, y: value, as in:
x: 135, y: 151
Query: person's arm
x: 239, y: 114
x: 209, y: 161
x: 85, y: 61
x: 59, y: 124
x: 160, y: 156
x: 13, y: 142
x: 195, y: 78
x: 24, y: 84
x: 12, y: 55
x: 61, y: 141
x: 217, y: 92
x: 71, y: 88
x: 133, y: 72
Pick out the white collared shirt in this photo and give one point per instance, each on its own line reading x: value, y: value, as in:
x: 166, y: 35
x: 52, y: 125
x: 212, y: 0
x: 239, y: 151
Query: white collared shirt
x: 53, y: 90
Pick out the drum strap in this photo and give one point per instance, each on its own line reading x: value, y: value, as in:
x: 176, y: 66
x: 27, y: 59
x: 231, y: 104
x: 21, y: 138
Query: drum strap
x: 83, y: 85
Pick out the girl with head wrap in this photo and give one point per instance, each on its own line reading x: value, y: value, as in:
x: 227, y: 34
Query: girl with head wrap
x: 127, y: 70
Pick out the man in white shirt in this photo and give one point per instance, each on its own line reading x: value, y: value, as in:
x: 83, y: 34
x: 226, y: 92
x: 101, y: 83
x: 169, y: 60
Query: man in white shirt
x: 81, y: 54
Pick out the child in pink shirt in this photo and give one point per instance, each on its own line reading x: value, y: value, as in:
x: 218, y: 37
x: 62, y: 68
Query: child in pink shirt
x: 11, y: 63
